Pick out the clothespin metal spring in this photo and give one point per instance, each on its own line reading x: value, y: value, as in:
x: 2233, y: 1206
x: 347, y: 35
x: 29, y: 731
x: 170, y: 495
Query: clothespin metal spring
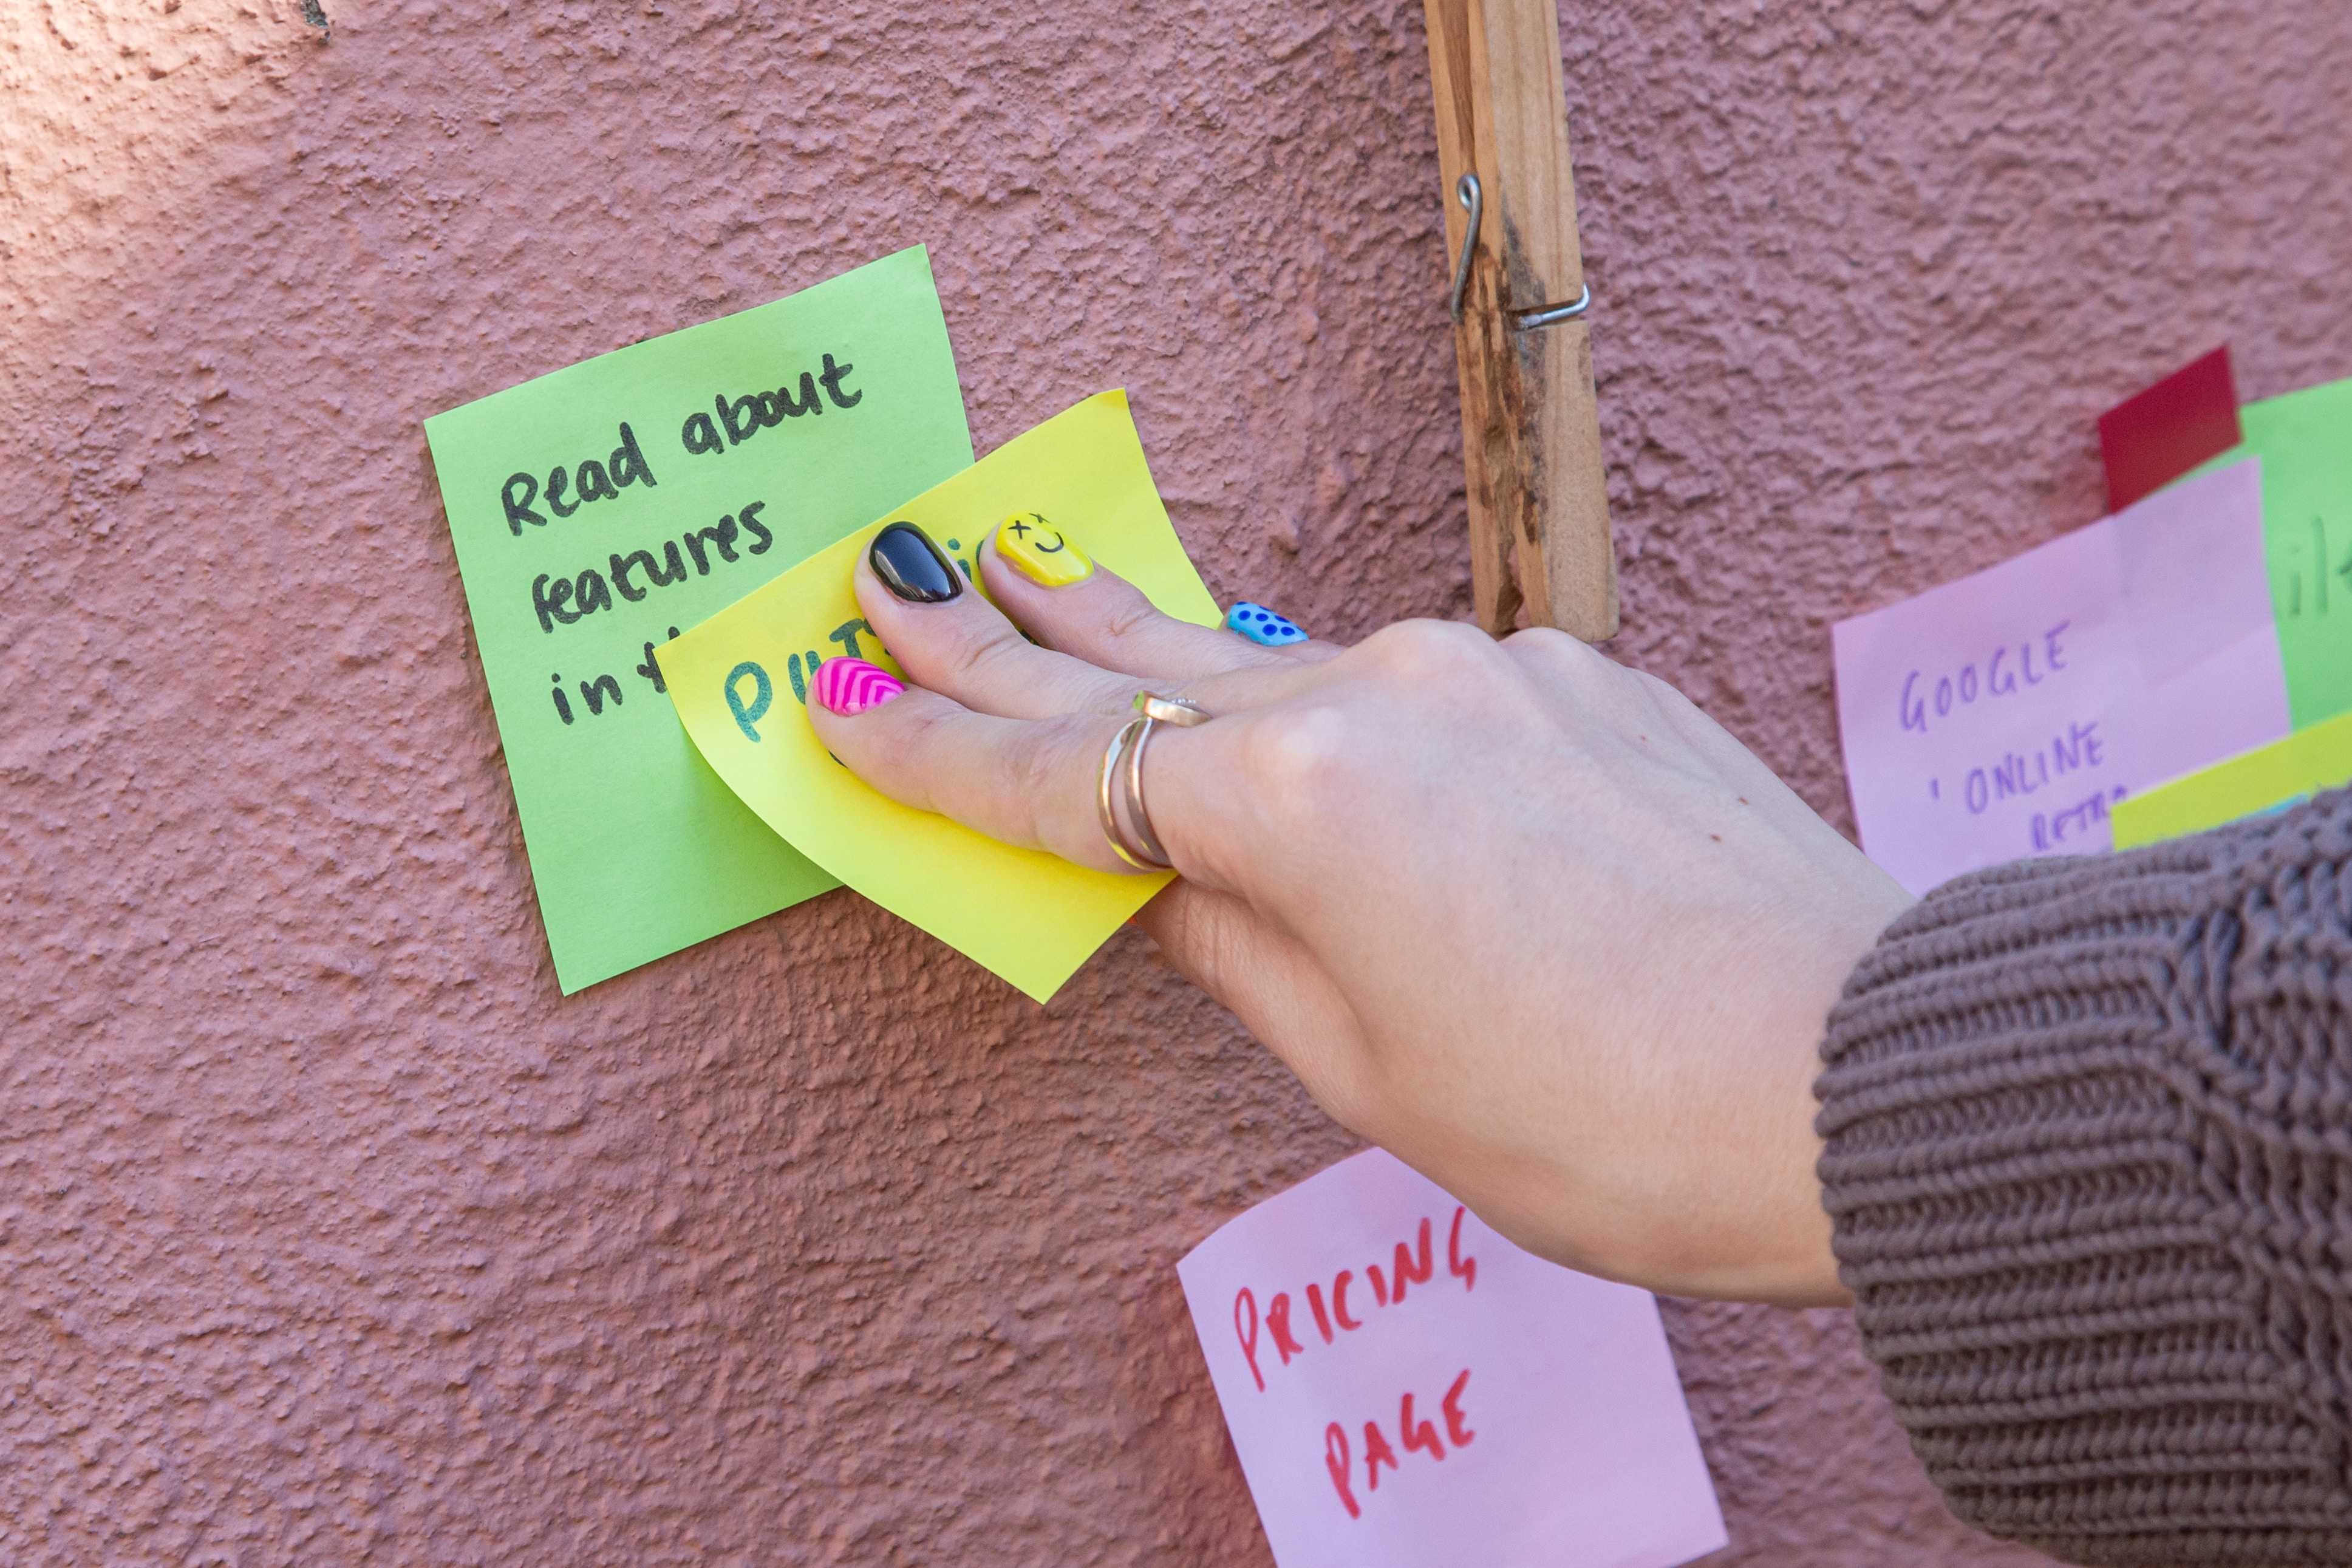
x: 1468, y: 191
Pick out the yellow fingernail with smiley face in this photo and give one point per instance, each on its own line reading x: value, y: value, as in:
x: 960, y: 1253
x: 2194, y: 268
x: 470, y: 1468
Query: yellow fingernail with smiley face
x: 1038, y: 548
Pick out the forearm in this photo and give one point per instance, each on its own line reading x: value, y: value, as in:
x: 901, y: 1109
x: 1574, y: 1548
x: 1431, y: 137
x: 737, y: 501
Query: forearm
x: 2088, y: 1166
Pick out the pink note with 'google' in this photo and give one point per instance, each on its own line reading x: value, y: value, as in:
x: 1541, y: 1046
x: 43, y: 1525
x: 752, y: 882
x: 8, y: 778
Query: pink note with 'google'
x: 1998, y: 717
x: 1406, y: 1389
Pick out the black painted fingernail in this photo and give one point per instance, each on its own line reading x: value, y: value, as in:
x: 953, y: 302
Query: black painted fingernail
x: 911, y: 566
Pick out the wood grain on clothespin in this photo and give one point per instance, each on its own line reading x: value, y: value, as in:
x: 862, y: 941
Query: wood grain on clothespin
x: 1530, y: 422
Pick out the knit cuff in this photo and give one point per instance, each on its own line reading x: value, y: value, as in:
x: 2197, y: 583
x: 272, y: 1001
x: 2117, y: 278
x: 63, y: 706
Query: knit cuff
x: 2096, y: 1243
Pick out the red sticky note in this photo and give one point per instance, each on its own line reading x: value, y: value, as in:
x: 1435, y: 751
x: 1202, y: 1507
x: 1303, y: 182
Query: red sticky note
x: 2152, y: 439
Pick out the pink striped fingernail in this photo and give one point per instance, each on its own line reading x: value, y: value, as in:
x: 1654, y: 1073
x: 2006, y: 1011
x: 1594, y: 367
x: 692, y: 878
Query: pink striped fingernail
x: 848, y: 685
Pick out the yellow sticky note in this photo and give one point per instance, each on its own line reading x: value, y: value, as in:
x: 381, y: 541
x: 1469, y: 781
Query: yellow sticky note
x: 2268, y: 778
x: 1031, y: 917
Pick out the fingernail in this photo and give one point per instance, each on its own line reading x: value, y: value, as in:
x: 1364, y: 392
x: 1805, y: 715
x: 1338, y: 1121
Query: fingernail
x: 1038, y: 548
x: 1262, y: 626
x: 847, y: 686
x: 911, y: 566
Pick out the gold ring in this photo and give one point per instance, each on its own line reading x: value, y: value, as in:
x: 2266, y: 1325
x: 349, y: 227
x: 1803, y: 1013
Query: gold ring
x: 1112, y: 756
x: 1121, y: 781
x: 1180, y: 712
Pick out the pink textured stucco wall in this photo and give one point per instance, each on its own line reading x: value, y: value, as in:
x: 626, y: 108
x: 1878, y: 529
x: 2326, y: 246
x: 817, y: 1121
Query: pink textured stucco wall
x: 330, y: 1232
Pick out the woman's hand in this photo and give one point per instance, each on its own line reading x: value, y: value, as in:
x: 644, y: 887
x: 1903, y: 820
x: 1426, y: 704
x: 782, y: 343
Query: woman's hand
x: 1523, y: 917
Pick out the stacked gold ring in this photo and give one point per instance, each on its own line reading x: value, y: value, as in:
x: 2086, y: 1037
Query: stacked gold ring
x: 1120, y: 781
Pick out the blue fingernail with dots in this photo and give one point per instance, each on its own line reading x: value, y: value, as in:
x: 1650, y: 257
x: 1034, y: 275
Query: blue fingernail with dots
x: 1262, y: 626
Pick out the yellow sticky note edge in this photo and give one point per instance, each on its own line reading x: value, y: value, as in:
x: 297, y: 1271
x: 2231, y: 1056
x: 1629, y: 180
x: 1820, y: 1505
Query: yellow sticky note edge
x: 1029, y: 915
x: 2265, y: 779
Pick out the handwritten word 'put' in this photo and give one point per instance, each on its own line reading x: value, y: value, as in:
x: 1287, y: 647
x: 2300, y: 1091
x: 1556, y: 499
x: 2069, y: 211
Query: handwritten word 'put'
x: 1410, y: 1266
x: 749, y: 711
x: 2036, y: 661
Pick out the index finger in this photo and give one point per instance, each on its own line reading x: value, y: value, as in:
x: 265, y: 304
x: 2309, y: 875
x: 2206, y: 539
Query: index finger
x: 1075, y: 607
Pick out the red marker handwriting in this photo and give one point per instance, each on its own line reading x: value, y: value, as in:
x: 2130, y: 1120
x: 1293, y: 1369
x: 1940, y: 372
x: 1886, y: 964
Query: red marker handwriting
x: 1419, y: 1437
x: 1413, y: 1263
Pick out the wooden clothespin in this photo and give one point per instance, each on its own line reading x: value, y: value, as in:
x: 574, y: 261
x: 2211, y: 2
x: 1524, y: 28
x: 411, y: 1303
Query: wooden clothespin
x: 1530, y: 422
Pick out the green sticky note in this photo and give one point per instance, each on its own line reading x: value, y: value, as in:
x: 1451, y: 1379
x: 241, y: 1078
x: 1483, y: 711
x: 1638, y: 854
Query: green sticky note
x: 2305, y: 440
x: 600, y: 510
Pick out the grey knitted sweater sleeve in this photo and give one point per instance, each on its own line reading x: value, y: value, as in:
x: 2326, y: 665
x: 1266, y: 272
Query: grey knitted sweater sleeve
x: 2088, y: 1156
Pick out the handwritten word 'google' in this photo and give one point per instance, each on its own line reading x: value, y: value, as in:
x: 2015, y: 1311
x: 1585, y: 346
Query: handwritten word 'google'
x: 1924, y: 699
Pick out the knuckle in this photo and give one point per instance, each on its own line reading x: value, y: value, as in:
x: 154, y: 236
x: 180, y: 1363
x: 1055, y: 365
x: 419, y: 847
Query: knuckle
x: 1620, y: 694
x: 899, y: 752
x: 1561, y: 663
x: 974, y: 651
x: 1443, y: 666
x: 1427, y: 650
x: 921, y: 730
x: 1300, y: 761
x: 1660, y: 697
x: 1035, y: 770
x: 1664, y: 693
x: 1026, y: 773
x: 1548, y: 643
x: 1128, y: 615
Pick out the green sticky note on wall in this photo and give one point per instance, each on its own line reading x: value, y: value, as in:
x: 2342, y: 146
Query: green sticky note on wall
x: 598, y: 511
x: 2305, y: 440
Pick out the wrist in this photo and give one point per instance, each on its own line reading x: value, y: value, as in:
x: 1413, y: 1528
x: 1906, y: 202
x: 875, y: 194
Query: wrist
x: 1769, y: 1236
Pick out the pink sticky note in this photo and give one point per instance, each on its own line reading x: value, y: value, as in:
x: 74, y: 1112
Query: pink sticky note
x: 1405, y: 1388
x: 2152, y: 438
x: 1999, y: 716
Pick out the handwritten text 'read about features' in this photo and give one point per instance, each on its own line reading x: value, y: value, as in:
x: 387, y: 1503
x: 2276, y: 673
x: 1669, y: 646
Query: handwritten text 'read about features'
x: 2002, y: 716
x: 535, y: 498
x: 1404, y: 1387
